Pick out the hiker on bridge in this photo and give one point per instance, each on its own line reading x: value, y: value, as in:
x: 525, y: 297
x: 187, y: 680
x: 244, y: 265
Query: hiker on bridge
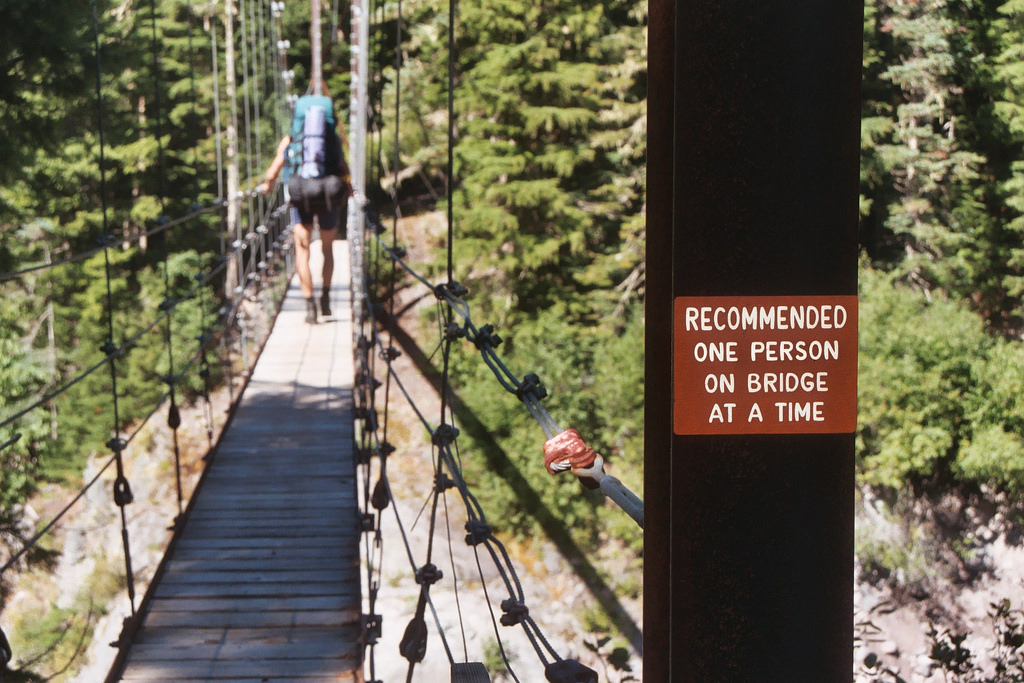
x: 317, y: 188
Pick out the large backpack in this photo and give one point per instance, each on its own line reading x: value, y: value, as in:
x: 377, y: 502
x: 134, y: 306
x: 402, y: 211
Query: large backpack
x: 316, y: 182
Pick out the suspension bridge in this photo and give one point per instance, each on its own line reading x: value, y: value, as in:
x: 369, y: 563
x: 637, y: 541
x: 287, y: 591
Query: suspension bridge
x: 273, y: 566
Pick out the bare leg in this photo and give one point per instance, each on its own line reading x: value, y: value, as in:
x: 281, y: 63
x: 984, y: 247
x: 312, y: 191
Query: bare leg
x: 302, y: 235
x: 326, y: 242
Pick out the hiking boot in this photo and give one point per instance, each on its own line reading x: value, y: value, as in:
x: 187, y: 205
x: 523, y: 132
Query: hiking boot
x: 311, y: 311
x: 325, y: 304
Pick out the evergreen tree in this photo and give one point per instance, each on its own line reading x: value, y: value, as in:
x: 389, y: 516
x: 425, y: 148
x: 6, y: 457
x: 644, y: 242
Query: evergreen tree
x: 1009, y: 114
x: 931, y: 171
x: 536, y: 154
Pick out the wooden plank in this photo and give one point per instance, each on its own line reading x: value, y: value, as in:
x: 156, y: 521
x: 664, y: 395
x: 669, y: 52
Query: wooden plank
x: 231, y: 649
x: 234, y: 602
x: 172, y: 638
x: 240, y: 580
x: 244, y: 672
x: 312, y: 562
x: 255, y: 618
x: 254, y: 585
x: 299, y: 556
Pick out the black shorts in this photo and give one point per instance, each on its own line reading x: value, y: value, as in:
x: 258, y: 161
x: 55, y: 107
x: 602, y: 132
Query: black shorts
x: 327, y: 220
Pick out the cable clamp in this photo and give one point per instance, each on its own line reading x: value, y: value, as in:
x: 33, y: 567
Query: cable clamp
x: 371, y: 625
x: 386, y: 448
x: 110, y: 349
x: 531, y: 385
x: 479, y: 531
x: 381, y: 496
x: 413, y: 645
x: 363, y: 456
x: 486, y: 337
x: 428, y: 575
x: 514, y: 612
x: 117, y: 444
x: 442, y: 482
x: 167, y: 304
x: 122, y: 492
x: 367, y: 522
x: 444, y: 435
x: 390, y: 353
x: 458, y: 289
x: 450, y: 290
x: 453, y: 332
x: 173, y: 416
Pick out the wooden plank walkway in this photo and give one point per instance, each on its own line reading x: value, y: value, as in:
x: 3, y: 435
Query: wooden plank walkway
x: 264, y: 583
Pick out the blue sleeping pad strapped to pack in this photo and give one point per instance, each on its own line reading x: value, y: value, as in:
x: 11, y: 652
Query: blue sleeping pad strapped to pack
x: 313, y: 143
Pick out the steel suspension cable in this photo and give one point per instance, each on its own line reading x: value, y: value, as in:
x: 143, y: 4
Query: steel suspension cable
x: 122, y: 491
x: 215, y: 67
x: 452, y: 15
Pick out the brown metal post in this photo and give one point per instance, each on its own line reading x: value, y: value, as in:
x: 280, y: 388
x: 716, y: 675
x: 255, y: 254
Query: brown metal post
x: 754, y: 112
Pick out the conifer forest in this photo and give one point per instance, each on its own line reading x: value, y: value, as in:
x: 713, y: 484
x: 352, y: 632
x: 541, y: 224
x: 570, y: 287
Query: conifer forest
x: 548, y: 205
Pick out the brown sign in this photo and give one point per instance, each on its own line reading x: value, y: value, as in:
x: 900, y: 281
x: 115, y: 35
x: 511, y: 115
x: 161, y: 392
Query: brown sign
x: 765, y: 365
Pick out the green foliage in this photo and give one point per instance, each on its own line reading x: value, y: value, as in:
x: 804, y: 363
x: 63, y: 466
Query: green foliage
x: 938, y: 394
x: 44, y: 56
